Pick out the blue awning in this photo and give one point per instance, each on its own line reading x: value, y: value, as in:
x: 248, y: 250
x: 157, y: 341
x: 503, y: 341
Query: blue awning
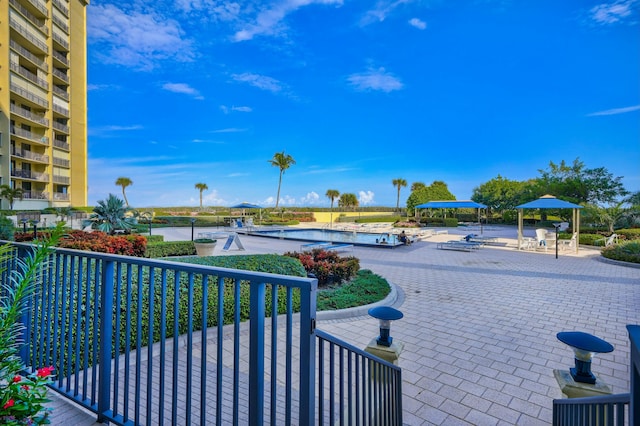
x: 451, y: 204
x: 548, y: 202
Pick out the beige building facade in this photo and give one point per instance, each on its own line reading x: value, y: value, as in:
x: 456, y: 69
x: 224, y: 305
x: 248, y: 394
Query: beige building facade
x: 43, y: 102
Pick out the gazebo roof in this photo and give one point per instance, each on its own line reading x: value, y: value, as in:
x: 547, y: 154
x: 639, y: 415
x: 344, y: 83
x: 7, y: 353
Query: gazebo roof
x: 451, y: 204
x: 549, y: 202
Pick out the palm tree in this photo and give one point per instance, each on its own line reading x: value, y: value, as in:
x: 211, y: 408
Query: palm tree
x: 124, y: 182
x: 283, y: 162
x: 201, y: 187
x: 398, y: 183
x: 332, y: 194
x: 10, y: 194
x: 348, y: 200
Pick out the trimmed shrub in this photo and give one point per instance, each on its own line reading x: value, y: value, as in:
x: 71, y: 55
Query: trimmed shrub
x: 128, y: 245
x: 170, y: 248
x: 327, y: 266
x: 626, y: 252
x: 629, y: 234
x: 450, y: 222
x: 365, y: 288
x: 154, y: 238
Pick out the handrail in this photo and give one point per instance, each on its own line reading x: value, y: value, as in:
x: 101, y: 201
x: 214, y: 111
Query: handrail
x: 27, y: 34
x: 27, y: 54
x: 593, y: 410
x: 28, y: 95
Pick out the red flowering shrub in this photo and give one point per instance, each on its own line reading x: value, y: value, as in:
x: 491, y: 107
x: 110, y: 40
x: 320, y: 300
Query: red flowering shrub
x: 327, y: 266
x: 128, y: 245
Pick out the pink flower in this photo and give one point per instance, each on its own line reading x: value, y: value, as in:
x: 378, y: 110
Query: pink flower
x: 16, y: 379
x: 45, y: 372
x: 10, y: 403
x: 25, y: 387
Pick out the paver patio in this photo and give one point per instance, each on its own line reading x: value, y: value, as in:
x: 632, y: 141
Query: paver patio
x: 479, y: 329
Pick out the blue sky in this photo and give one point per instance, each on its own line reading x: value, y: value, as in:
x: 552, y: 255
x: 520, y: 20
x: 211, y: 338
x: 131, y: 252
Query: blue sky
x: 358, y: 92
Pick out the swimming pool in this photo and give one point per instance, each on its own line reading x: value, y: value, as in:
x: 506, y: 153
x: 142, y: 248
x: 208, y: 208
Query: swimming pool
x: 327, y: 235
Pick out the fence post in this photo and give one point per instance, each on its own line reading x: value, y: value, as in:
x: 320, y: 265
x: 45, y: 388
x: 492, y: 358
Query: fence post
x: 25, y: 316
x: 105, y: 336
x: 256, y: 352
x: 308, y: 354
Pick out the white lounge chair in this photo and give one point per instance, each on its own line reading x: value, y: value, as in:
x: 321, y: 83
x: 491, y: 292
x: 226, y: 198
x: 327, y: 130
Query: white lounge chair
x: 610, y: 240
x: 569, y: 244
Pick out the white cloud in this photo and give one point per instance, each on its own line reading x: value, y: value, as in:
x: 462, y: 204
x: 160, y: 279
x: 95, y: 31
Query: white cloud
x: 615, y: 111
x: 227, y: 109
x: 135, y: 39
x: 106, y: 130
x: 375, y: 80
x: 611, y: 13
x: 182, y: 88
x: 365, y: 197
x: 229, y: 130
x: 419, y: 24
x: 218, y: 9
x: 381, y: 10
x: 310, y: 199
x: 262, y: 82
x: 269, y: 21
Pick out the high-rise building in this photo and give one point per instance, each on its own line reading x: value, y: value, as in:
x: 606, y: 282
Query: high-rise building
x: 43, y: 102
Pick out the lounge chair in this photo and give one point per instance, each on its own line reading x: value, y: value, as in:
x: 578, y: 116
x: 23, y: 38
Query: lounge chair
x: 545, y: 239
x: 458, y: 245
x: 610, y: 240
x: 569, y: 244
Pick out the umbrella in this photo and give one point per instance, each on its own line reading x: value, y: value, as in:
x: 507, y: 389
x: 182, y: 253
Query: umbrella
x: 246, y: 205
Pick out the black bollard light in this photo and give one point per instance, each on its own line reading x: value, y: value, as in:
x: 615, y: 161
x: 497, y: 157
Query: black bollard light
x: 584, y: 346
x: 35, y: 230
x: 385, y: 314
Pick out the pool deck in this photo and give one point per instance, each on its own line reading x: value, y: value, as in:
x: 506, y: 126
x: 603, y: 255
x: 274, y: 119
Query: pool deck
x: 479, y: 328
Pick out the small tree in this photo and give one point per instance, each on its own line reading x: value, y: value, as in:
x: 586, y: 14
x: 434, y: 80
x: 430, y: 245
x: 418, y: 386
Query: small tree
x: 11, y: 194
x: 111, y: 215
x: 283, y: 162
x: 201, y: 187
x: 124, y: 182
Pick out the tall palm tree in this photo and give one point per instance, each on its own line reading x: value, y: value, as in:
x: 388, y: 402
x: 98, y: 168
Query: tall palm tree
x: 201, y: 187
x: 332, y: 194
x: 398, y: 183
x: 10, y: 194
x: 283, y: 162
x: 124, y: 182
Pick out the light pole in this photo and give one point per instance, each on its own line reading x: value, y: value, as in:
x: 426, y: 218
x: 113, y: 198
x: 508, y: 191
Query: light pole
x: 193, y: 221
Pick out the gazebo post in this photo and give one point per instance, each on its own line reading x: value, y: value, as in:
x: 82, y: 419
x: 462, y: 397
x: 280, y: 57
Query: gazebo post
x: 520, y: 228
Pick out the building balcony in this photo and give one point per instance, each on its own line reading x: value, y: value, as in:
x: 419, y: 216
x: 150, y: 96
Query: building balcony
x: 35, y: 195
x: 29, y: 115
x: 27, y: 95
x: 39, y: 8
x: 60, y: 58
x: 28, y: 55
x: 30, y: 175
x: 61, y: 7
x: 61, y: 110
x: 61, y: 162
x: 61, y: 196
x: 60, y: 92
x: 30, y: 136
x: 61, y: 145
x: 60, y: 23
x: 37, y: 22
x: 29, y: 155
x: 61, y: 127
x: 28, y: 35
x: 62, y: 180
x: 61, y: 75
x: 61, y: 41
x: 29, y: 75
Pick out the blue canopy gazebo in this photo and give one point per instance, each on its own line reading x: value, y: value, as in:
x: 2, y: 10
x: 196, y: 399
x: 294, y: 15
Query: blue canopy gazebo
x: 550, y: 202
x: 454, y: 204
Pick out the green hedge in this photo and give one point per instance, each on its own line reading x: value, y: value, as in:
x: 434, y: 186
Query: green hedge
x: 450, y: 222
x: 364, y: 289
x: 629, y: 234
x: 170, y: 248
x: 379, y: 219
x: 626, y: 252
x: 154, y: 238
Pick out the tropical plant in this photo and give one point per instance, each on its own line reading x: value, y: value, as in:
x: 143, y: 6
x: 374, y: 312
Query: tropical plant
x: 124, y: 182
x: 22, y: 398
x: 417, y: 185
x: 111, y: 215
x: 348, y: 200
x: 6, y: 228
x: 398, y: 183
x: 283, y: 162
x: 332, y: 194
x: 201, y: 187
x: 11, y: 194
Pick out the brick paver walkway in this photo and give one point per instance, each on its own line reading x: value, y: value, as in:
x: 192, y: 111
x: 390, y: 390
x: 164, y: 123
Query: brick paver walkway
x: 479, y: 329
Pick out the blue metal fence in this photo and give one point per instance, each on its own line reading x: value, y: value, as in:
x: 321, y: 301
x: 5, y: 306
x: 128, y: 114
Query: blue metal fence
x: 141, y: 341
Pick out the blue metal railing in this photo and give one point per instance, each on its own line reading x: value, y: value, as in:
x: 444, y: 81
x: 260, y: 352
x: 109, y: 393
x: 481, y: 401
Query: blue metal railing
x: 355, y: 387
x: 141, y: 341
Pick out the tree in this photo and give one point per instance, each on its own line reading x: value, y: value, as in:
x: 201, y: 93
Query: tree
x: 417, y: 185
x: 437, y: 191
x: 499, y: 194
x: 348, y: 200
x: 283, y: 162
x: 11, y: 194
x: 124, y: 182
x: 332, y: 194
x: 577, y: 184
x: 201, y: 187
x: 111, y: 215
x: 398, y: 183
